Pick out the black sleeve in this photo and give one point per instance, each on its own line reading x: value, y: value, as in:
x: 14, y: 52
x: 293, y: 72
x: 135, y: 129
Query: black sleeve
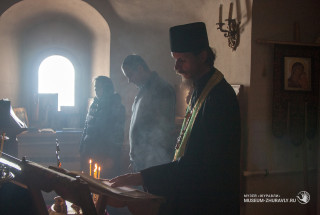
x: 212, y: 154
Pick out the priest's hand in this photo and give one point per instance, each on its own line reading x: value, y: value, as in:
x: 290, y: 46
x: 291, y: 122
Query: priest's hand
x: 131, y: 179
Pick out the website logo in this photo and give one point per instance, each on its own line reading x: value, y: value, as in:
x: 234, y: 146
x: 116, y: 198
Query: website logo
x: 303, y: 197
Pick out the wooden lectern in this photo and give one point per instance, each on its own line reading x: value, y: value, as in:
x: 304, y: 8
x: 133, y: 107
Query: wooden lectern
x: 76, y: 188
x: 138, y: 202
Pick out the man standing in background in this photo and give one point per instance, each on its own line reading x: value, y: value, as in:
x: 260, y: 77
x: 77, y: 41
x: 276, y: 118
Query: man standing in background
x: 152, y: 127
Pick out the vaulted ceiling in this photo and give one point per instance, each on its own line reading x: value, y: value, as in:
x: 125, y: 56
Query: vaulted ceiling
x: 158, y: 12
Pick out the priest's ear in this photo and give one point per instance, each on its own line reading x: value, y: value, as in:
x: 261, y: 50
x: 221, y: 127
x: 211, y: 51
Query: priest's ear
x: 203, y: 56
x: 207, y: 56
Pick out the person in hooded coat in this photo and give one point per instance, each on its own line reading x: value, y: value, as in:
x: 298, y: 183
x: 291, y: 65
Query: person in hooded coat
x: 103, y: 132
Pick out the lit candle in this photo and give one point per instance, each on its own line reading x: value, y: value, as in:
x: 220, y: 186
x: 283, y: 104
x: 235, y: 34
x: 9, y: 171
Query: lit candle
x: 95, y: 170
x: 220, y: 13
x: 99, y: 172
x: 90, y: 162
x: 230, y: 10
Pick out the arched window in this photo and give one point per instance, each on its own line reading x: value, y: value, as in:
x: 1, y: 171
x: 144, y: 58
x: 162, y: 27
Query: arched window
x: 56, y: 75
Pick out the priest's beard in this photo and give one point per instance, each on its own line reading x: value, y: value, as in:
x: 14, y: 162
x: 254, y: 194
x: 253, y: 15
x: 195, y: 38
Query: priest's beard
x: 187, y: 84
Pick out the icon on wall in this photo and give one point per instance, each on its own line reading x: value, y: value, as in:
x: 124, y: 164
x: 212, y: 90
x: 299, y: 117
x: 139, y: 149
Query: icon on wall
x: 297, y: 74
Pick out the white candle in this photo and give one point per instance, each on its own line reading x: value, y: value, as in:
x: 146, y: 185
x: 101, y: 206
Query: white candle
x: 220, y: 13
x: 230, y: 10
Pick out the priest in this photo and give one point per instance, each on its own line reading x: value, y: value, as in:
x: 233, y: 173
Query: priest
x: 204, y: 177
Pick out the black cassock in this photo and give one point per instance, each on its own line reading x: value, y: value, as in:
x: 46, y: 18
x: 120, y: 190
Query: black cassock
x: 206, y: 180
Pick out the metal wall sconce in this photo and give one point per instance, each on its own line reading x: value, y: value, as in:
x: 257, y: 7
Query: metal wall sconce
x: 232, y: 32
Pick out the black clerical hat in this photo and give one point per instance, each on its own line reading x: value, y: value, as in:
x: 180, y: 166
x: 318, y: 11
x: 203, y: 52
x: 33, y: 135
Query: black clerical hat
x: 188, y: 38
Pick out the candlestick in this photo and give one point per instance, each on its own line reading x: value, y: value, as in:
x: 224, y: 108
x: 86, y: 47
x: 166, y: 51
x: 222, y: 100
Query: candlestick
x: 220, y: 13
x: 233, y: 29
x: 90, y: 162
x: 230, y: 10
x: 99, y: 172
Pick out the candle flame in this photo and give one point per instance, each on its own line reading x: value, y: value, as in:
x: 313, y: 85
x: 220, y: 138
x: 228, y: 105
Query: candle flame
x: 95, y: 170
